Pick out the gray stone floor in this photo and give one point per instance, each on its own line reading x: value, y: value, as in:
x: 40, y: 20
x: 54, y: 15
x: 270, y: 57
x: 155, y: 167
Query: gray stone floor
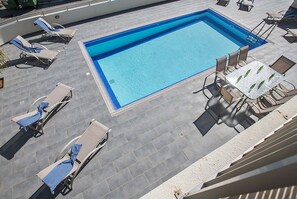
x: 149, y: 143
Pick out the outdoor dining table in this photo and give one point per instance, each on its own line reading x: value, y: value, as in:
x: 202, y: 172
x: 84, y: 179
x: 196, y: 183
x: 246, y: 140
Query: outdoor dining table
x: 254, y: 79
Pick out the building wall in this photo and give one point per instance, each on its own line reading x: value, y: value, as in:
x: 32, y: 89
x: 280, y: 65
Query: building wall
x: 65, y: 15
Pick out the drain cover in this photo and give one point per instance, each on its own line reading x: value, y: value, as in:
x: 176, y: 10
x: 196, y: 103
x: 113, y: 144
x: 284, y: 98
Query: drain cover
x: 111, y: 81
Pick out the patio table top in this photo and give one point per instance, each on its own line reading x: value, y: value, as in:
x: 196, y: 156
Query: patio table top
x: 254, y: 79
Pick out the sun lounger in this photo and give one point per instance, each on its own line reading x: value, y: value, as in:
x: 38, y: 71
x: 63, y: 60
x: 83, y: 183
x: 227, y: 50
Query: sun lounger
x: 62, y: 94
x: 290, y: 14
x: 292, y: 32
x: 282, y: 64
x: 248, y: 3
x: 223, y: 2
x: 93, y: 139
x: 55, y: 29
x: 40, y: 53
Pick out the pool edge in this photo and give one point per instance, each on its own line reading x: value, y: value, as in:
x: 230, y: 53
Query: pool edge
x: 96, y: 77
x: 100, y: 84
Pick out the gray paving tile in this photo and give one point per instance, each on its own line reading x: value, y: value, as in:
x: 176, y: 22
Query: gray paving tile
x: 149, y: 135
x: 175, y: 161
x: 119, y: 179
x: 163, y: 140
x: 140, y: 167
x: 78, y: 196
x: 100, y: 174
x: 96, y: 191
x: 160, y: 132
x: 131, y: 146
x: 156, y: 173
x: 124, y: 161
x: 147, y: 189
x: 160, y: 156
x: 107, y: 157
x: 116, y: 141
x: 135, y: 186
x: 116, y: 194
x: 80, y: 184
x: 144, y: 151
x: 7, y: 193
x: 21, y: 188
x: 34, y: 168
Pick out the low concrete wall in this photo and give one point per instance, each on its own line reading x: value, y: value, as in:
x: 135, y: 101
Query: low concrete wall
x: 68, y: 14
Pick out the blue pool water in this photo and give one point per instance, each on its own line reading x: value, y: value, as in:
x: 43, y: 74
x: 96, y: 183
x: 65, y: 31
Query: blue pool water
x: 136, y: 63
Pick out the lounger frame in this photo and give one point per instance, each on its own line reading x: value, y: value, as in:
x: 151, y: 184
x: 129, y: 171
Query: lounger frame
x: 25, y: 54
x: 68, y: 181
x: 65, y: 37
x: 38, y: 125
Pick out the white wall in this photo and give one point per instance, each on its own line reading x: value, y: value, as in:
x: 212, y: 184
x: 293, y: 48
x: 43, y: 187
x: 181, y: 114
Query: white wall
x: 70, y: 14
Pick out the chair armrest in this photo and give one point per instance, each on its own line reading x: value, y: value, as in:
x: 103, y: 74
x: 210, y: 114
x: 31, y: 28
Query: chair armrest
x: 283, y: 92
x: 294, y: 87
x: 66, y: 148
x: 226, y: 85
x: 237, y: 99
x: 58, y: 25
x: 253, y: 58
x: 253, y: 106
x: 221, y: 75
x: 49, y: 109
x: 39, y: 99
x: 270, y: 100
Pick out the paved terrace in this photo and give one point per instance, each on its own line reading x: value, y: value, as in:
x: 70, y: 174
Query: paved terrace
x: 149, y: 143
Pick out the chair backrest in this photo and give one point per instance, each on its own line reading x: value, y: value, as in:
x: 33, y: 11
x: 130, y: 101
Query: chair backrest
x: 91, y: 138
x: 228, y: 97
x: 21, y: 43
x: 57, y: 95
x: 243, y: 53
x: 24, y: 41
x: 44, y: 24
x: 221, y: 64
x: 233, y: 58
x: 282, y: 64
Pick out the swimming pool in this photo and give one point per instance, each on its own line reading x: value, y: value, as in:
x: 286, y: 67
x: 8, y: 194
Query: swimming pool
x: 134, y: 64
